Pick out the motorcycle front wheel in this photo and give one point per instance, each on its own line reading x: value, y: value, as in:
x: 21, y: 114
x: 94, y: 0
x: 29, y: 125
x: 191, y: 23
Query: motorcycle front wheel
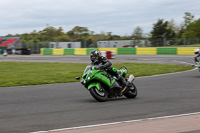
x: 99, y: 95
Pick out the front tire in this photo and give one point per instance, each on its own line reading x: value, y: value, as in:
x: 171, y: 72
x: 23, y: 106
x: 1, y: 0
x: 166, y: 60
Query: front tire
x: 131, y: 92
x: 99, y: 95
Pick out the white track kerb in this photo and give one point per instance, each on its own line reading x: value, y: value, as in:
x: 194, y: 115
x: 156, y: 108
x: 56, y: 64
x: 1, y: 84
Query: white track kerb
x: 138, y: 120
x: 113, y: 123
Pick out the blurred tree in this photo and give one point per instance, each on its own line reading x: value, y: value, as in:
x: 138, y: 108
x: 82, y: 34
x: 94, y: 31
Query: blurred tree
x: 59, y: 31
x: 171, y: 25
x: 109, y: 36
x: 137, y: 33
x: 193, y: 30
x: 137, y: 36
x: 63, y: 38
x: 78, y: 33
x: 161, y: 31
x: 80, y: 30
x: 180, y: 34
x: 92, y: 39
x: 126, y: 37
x: 188, y: 18
x: 50, y: 31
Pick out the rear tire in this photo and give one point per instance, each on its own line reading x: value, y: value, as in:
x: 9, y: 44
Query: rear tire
x: 132, y: 91
x: 99, y: 95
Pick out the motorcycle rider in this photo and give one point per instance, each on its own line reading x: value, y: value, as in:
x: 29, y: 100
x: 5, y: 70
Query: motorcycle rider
x: 196, y: 52
x: 105, y: 64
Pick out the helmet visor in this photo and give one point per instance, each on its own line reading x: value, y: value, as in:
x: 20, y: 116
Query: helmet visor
x: 93, y: 58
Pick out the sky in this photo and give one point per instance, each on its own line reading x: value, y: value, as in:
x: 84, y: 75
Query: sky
x: 120, y: 17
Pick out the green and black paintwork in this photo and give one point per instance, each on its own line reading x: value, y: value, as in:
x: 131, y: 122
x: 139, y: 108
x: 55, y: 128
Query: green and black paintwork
x: 198, y: 65
x: 103, y: 85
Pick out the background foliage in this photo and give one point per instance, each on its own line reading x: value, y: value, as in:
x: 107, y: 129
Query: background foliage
x: 190, y: 28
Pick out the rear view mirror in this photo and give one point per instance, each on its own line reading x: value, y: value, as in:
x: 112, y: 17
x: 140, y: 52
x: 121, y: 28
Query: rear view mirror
x: 77, y: 78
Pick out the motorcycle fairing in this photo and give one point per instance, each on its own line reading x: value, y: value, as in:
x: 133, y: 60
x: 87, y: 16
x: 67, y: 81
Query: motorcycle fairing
x: 94, y: 84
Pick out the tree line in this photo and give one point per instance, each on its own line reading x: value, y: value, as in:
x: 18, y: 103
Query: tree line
x: 189, y: 28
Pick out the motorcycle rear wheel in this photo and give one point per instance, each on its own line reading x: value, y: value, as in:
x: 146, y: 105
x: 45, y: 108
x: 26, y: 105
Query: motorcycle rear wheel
x: 132, y: 91
x: 99, y: 95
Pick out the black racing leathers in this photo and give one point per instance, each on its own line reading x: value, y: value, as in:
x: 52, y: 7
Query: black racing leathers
x: 105, y: 64
x: 103, y: 61
x: 195, y: 58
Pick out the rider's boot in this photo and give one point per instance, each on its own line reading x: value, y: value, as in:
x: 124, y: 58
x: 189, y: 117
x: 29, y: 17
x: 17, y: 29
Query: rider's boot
x: 122, y: 80
x: 125, y: 84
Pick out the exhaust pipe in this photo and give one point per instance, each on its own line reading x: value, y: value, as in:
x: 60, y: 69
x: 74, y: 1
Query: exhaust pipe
x: 131, y: 78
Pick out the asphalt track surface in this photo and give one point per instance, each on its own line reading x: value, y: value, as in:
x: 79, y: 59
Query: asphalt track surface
x: 55, y: 106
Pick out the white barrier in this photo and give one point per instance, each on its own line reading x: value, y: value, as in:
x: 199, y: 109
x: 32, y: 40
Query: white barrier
x: 108, y: 54
x: 113, y: 54
x: 103, y: 53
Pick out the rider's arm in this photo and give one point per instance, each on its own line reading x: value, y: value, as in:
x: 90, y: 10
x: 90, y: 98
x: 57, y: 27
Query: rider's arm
x: 105, y: 62
x: 195, y: 58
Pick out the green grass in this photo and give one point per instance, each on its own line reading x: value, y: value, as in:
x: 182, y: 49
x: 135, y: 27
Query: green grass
x: 29, y: 73
x: 147, y: 69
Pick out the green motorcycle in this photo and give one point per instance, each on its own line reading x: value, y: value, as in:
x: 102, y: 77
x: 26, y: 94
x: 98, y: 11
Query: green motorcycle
x: 197, y: 65
x: 103, y: 85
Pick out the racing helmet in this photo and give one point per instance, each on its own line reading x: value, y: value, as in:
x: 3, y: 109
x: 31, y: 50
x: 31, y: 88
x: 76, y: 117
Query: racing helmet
x: 196, y: 51
x: 94, y: 56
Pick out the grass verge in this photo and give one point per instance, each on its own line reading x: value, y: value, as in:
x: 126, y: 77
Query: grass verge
x: 31, y: 73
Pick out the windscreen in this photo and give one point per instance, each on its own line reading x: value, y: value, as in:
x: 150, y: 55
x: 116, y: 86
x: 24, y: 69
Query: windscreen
x: 87, y: 68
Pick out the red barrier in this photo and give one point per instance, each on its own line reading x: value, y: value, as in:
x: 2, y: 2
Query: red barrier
x: 109, y: 54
